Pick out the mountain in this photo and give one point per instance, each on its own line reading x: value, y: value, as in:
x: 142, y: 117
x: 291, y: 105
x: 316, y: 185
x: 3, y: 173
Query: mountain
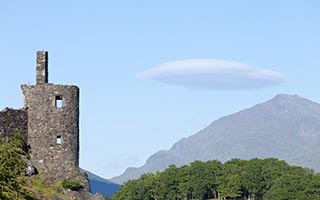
x: 100, y: 185
x: 286, y: 127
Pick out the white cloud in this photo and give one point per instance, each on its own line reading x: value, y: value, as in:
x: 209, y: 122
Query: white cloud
x: 214, y: 74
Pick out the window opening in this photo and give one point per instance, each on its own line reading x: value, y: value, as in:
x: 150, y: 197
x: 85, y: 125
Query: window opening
x: 58, y: 102
x: 58, y: 139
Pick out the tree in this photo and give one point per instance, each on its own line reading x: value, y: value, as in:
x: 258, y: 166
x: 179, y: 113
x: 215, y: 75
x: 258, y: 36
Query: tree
x: 313, y: 188
x: 12, y: 166
x: 230, y: 181
x: 214, y: 172
x: 253, y: 182
x: 291, y: 185
x: 170, y: 181
x: 185, y: 187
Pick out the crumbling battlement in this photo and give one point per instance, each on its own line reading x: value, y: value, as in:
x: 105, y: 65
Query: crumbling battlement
x: 13, y: 120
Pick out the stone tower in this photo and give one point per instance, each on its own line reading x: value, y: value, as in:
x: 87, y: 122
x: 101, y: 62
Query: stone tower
x: 53, y: 122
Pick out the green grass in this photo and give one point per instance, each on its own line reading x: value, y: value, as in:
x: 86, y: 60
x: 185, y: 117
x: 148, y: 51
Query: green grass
x: 40, y: 190
x: 71, y: 184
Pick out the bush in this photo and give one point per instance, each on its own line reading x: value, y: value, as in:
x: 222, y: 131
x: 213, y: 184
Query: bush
x: 72, y: 185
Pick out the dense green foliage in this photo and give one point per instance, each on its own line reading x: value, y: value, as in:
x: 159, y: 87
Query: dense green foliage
x: 71, y: 184
x: 12, y: 166
x: 256, y: 179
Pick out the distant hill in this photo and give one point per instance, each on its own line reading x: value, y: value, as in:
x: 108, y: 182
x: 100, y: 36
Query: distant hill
x: 100, y: 185
x: 286, y: 127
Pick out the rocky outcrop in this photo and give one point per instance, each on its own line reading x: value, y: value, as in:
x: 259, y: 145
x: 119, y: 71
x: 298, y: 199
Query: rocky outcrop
x: 84, y: 195
x: 30, y: 169
x: 53, y: 182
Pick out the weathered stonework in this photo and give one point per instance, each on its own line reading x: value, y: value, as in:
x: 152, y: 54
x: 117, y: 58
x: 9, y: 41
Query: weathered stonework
x: 13, y: 120
x: 53, y: 132
x: 50, y: 123
x: 42, y: 67
x: 53, y: 122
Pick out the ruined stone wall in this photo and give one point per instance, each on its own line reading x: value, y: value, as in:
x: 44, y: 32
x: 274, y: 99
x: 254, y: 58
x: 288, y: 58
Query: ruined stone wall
x: 13, y: 120
x: 53, y: 130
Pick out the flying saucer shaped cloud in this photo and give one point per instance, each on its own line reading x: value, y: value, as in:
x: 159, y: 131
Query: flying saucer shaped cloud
x: 214, y: 74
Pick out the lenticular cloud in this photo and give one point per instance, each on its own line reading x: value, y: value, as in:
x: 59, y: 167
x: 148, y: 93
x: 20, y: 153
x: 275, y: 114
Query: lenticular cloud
x: 214, y: 74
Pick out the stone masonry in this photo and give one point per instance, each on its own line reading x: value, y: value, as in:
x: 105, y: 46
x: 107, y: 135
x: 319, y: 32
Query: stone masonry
x: 42, y: 67
x: 13, y: 120
x: 53, y: 122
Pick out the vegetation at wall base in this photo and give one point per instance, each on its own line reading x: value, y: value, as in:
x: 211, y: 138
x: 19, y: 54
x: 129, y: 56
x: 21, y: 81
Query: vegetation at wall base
x: 256, y: 179
x: 12, y: 166
x: 14, y: 185
x: 71, y: 185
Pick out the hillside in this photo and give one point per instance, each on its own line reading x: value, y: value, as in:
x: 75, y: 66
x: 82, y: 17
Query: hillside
x: 101, y: 185
x: 286, y: 127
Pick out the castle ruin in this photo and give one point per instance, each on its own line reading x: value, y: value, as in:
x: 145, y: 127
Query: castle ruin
x: 49, y: 121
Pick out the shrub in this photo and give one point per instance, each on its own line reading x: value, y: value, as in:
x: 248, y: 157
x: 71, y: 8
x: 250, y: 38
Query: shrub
x: 72, y: 185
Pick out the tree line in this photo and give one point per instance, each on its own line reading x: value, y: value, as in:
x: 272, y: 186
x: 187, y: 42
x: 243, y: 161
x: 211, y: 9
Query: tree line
x: 255, y: 179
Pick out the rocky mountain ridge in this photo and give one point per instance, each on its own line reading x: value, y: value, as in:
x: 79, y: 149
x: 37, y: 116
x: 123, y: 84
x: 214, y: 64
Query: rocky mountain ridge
x: 286, y: 127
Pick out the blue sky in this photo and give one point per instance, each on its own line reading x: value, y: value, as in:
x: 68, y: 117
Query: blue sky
x: 152, y: 72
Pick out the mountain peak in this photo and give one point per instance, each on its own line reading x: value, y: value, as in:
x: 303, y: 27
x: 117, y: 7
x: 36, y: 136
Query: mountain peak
x: 285, y: 99
x: 285, y: 127
x: 287, y: 96
x: 293, y: 101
